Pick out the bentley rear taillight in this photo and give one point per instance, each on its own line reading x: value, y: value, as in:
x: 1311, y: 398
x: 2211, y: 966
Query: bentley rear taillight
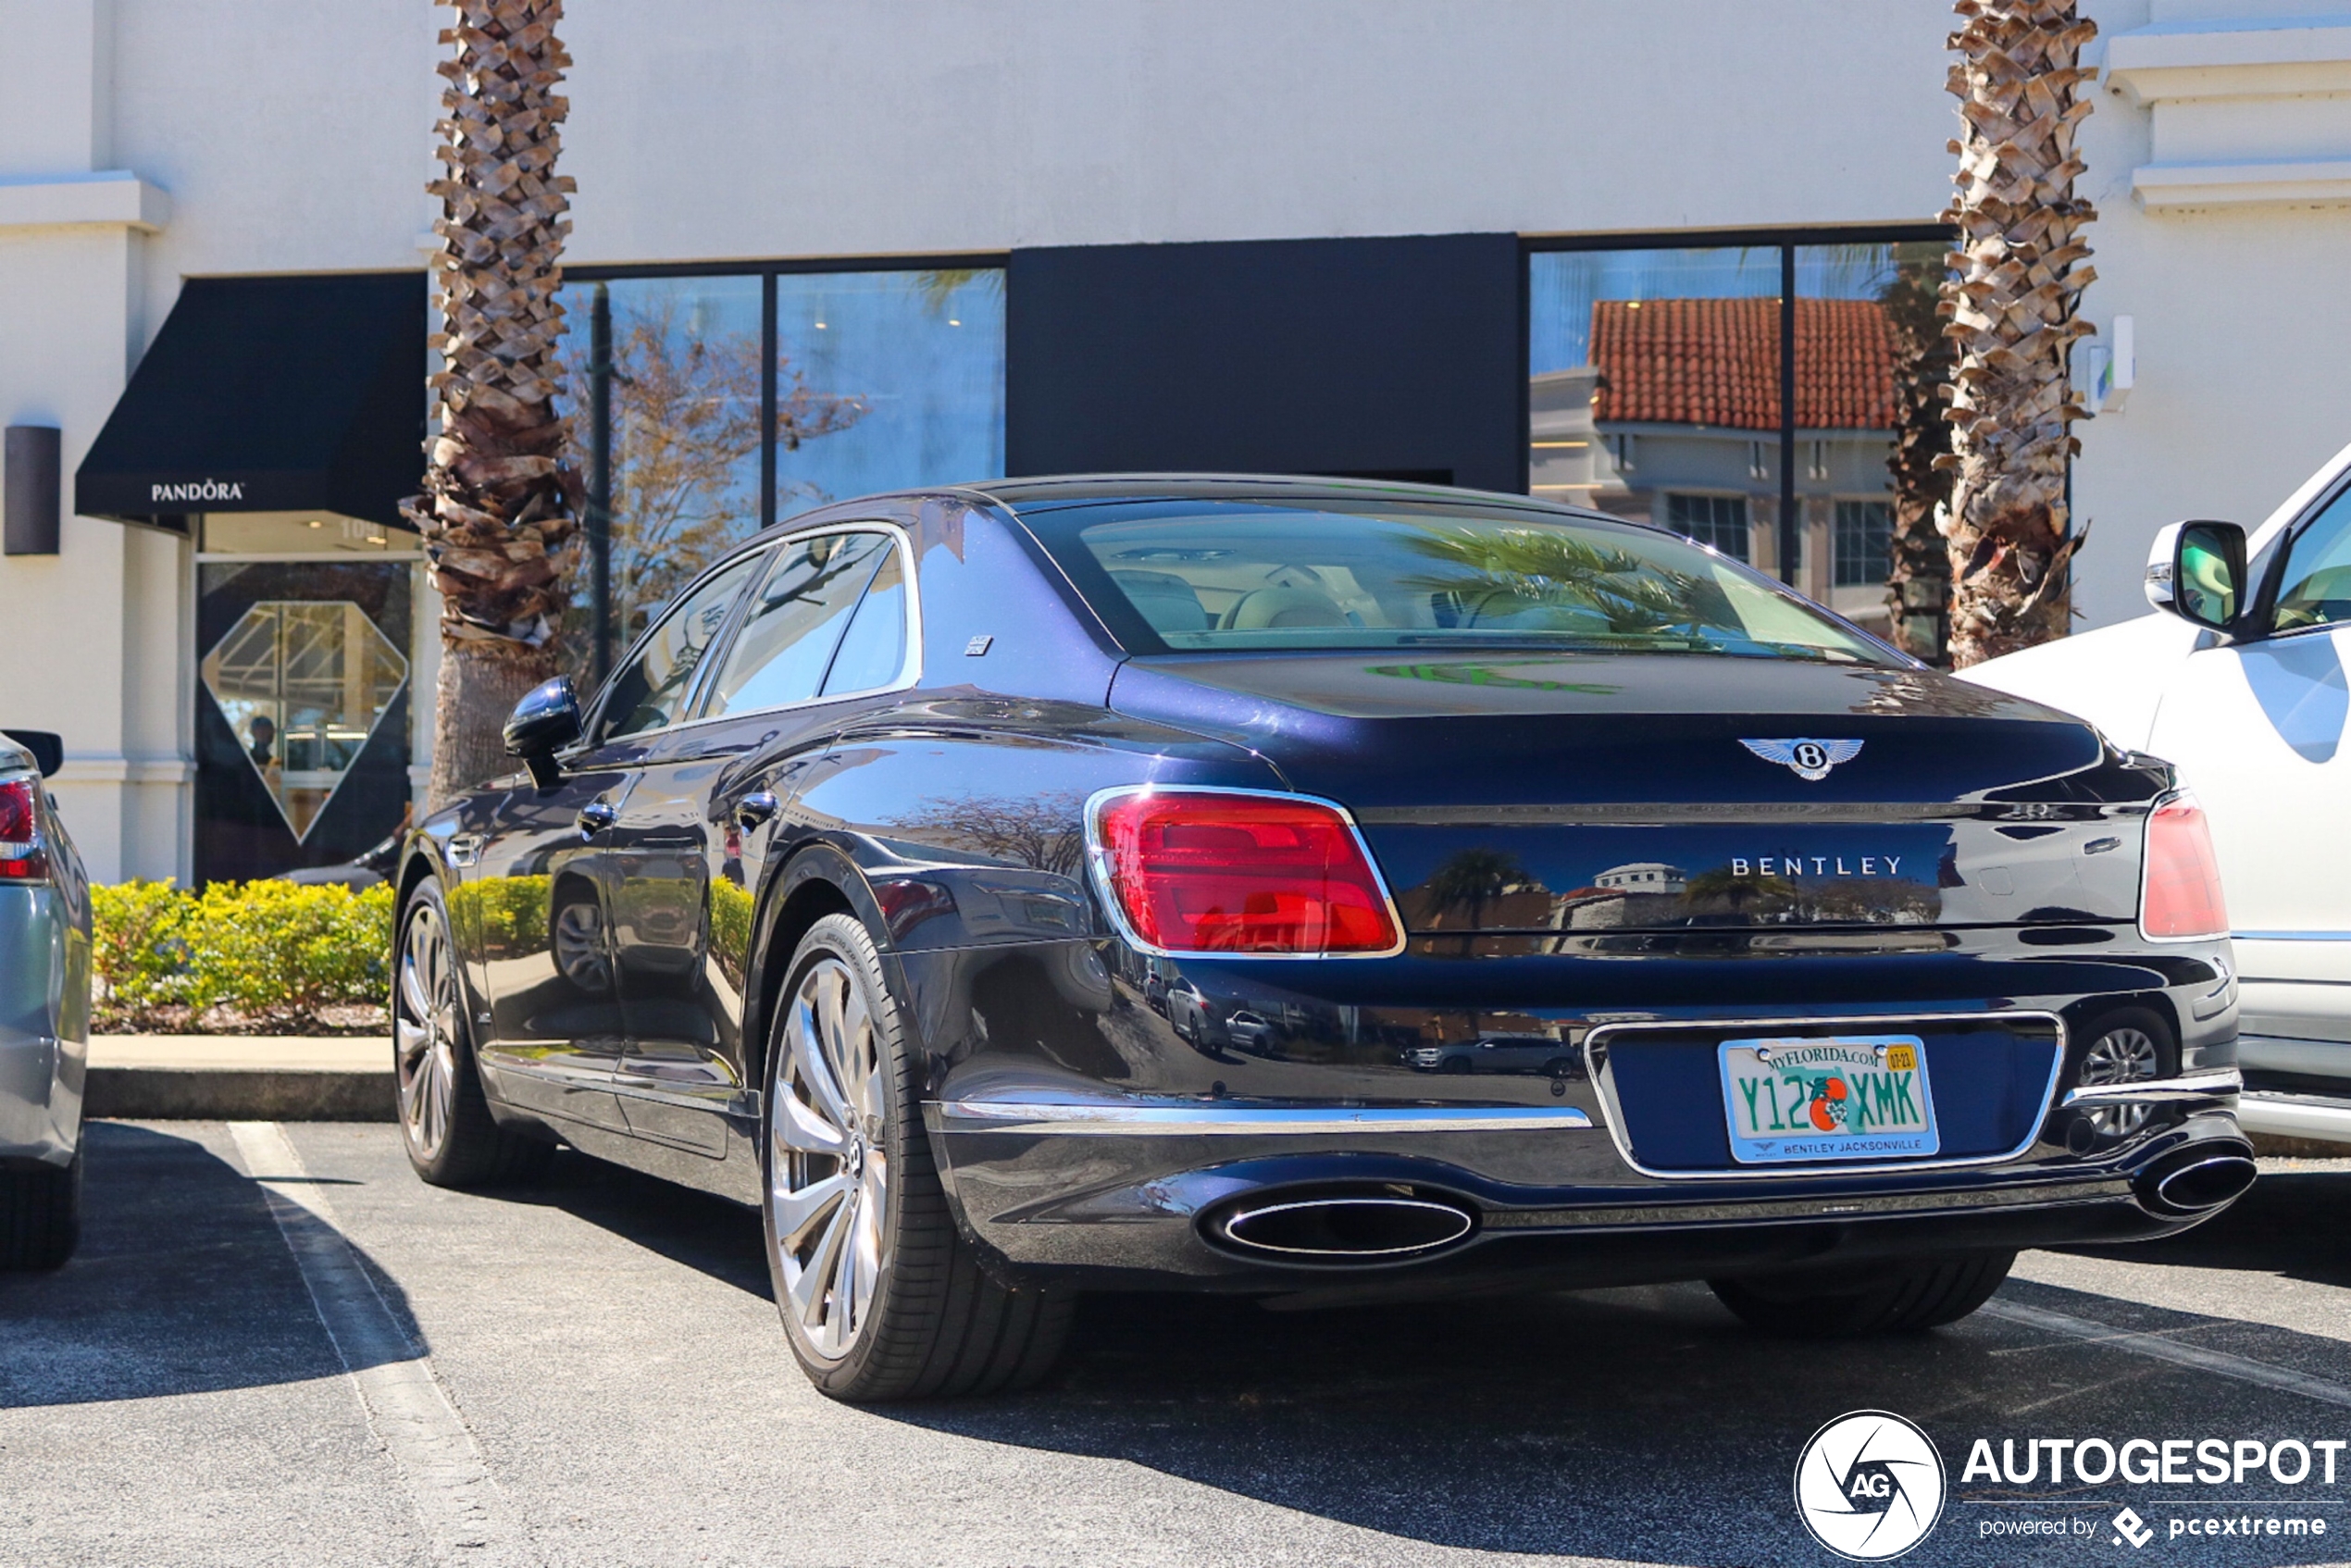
x: 23, y: 858
x: 2182, y: 897
x: 1216, y: 872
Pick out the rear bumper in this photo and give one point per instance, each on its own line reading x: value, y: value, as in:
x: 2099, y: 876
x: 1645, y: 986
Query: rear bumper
x: 1128, y: 1195
x: 41, y: 1080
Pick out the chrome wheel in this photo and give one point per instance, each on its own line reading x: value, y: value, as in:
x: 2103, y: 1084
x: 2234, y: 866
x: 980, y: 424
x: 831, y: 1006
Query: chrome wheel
x: 579, y: 946
x: 2122, y: 1055
x: 829, y: 1169
x: 425, y: 1031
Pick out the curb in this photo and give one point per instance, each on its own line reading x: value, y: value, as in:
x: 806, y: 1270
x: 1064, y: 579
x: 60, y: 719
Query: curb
x: 236, y: 1094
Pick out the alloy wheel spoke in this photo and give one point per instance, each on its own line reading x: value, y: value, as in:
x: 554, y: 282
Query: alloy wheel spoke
x: 796, y: 1210
x: 803, y: 1128
x: 412, y: 1040
x: 442, y: 1075
x: 808, y: 1290
x: 815, y: 1065
x: 412, y: 986
x: 842, y: 1318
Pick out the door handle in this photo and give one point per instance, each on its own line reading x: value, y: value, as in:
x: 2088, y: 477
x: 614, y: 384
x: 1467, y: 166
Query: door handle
x: 597, y: 816
x: 755, y: 809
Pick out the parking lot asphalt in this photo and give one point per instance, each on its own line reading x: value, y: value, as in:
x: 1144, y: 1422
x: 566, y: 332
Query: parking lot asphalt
x: 612, y: 1387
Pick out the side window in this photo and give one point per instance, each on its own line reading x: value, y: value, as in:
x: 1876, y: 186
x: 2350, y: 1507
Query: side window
x: 650, y: 690
x: 2315, y: 589
x: 873, y: 651
x: 796, y: 620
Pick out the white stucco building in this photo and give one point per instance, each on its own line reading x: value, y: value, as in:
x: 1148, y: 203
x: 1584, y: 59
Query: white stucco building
x: 1009, y: 206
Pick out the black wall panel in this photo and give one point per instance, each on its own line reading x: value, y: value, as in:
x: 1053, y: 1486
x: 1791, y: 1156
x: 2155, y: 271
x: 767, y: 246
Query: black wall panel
x: 1400, y: 358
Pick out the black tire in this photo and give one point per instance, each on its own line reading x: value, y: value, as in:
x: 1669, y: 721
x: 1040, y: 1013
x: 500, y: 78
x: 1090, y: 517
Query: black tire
x: 40, y: 1215
x: 933, y: 1324
x: 1899, y: 1297
x: 462, y: 1144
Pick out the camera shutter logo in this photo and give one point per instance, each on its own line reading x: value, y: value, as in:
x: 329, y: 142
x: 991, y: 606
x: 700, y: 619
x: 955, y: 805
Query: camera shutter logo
x: 1870, y: 1485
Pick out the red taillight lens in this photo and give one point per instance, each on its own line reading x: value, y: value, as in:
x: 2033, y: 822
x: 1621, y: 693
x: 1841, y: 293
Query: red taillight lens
x: 2182, y: 894
x: 1248, y: 873
x: 23, y: 856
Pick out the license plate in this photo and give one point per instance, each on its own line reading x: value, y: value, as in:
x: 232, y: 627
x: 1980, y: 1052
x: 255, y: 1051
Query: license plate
x: 1850, y: 1097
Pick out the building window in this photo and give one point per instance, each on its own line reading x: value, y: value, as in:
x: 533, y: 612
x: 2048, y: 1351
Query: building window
x: 710, y: 406
x: 680, y: 429
x: 885, y: 380
x: 1690, y: 348
x: 1865, y: 543
x: 1718, y: 520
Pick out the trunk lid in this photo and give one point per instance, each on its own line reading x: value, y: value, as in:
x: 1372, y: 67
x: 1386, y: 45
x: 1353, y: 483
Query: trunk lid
x: 1572, y: 794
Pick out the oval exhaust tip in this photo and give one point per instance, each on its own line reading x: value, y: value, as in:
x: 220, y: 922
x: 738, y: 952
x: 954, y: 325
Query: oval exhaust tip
x: 1346, y: 1227
x: 2207, y: 1183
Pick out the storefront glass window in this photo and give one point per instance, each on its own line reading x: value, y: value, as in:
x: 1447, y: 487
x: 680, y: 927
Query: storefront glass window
x: 881, y: 379
x: 1656, y: 373
x: 681, y: 429
x: 885, y: 380
x: 1656, y: 394
x: 1861, y: 310
x: 300, y: 533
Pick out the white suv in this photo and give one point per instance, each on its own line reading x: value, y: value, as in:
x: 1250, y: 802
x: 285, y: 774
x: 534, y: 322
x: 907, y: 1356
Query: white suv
x: 2241, y: 683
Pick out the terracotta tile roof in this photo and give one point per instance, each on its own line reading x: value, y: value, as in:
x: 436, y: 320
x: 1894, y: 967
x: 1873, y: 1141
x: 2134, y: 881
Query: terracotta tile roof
x: 1716, y: 362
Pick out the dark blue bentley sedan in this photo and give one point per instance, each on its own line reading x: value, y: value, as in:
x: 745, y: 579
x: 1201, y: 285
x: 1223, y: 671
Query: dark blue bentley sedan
x: 1090, y: 882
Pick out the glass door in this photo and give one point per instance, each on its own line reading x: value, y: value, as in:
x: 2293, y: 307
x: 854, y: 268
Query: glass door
x: 303, y: 708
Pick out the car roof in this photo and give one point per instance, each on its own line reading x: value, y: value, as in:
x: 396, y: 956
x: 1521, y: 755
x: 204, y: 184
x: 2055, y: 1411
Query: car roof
x: 1072, y: 489
x: 1048, y: 491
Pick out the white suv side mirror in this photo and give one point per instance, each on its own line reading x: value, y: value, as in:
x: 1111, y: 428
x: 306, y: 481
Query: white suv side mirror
x: 2196, y: 571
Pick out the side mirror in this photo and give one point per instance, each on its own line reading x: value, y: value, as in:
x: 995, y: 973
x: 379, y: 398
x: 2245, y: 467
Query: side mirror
x: 2196, y: 571
x: 48, y: 748
x: 545, y: 721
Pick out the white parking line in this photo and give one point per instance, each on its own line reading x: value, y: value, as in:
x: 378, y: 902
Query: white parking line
x: 2243, y: 1369
x: 406, y: 1407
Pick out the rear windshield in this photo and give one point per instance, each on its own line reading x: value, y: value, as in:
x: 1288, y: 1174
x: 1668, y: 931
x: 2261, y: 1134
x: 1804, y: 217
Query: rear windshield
x: 1253, y: 576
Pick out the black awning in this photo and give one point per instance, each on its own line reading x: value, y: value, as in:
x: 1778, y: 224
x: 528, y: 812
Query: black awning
x: 271, y: 394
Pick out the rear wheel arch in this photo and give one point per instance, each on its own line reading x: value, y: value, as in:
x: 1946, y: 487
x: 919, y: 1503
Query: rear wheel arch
x: 816, y: 882
x: 413, y: 872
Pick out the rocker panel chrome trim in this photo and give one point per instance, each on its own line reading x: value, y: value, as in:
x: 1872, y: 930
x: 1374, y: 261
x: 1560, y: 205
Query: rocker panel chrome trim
x: 1188, y: 1121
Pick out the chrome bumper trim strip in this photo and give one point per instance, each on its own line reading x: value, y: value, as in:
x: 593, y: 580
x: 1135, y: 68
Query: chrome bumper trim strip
x: 2291, y: 935
x: 1192, y: 1121
x: 2205, y: 1085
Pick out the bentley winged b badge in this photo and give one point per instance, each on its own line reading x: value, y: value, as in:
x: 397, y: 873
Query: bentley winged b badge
x: 1807, y: 759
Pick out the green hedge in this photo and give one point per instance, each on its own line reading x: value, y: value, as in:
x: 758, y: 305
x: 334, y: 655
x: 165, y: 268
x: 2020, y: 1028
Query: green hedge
x: 272, y: 953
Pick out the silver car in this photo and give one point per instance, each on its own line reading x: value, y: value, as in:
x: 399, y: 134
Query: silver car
x: 44, y: 1010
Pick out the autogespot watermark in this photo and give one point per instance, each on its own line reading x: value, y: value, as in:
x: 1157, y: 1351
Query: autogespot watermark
x: 1871, y: 1486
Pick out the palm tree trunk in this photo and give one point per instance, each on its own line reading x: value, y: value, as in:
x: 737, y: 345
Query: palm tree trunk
x: 2012, y: 305
x: 1919, y: 582
x: 499, y: 508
